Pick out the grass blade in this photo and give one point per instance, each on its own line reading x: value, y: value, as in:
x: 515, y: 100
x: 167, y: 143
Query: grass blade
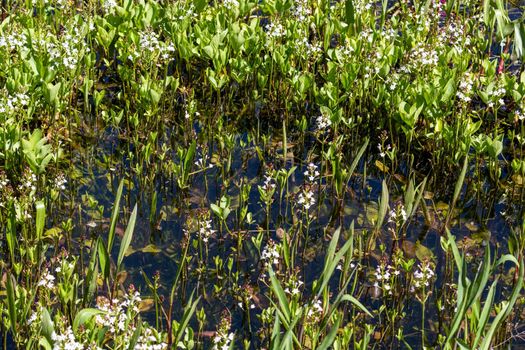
x: 40, y: 219
x: 114, y: 216
x: 11, y: 307
x: 279, y: 293
x: 128, y: 235
x: 383, y: 206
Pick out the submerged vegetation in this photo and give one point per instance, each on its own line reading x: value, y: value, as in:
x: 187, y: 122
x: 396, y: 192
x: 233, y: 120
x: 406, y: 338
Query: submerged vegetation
x: 274, y: 174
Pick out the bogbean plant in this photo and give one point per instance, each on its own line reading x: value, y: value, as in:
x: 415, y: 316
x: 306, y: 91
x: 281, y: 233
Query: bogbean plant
x: 433, y: 85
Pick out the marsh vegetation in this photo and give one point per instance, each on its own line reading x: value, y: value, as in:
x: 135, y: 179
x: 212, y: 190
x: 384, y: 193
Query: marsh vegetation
x: 275, y: 174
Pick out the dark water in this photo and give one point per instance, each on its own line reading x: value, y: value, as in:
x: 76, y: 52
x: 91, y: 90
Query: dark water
x: 103, y: 160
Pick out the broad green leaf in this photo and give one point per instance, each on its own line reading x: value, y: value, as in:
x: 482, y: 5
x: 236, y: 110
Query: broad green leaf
x: 84, y: 316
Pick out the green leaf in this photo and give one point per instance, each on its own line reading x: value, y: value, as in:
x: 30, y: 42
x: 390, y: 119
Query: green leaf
x: 11, y: 306
x: 188, y: 159
x: 332, y: 259
x: 91, y: 277
x: 128, y: 235
x: 505, y: 311
x: 47, y: 325
x: 103, y: 258
x: 45, y: 344
x: 11, y: 233
x: 84, y: 316
x: 485, y: 313
x: 448, y: 90
x: 330, y: 337
x: 52, y: 93
x: 188, y: 313
x: 281, y: 296
x: 422, y: 252
x: 136, y: 334
x: 114, y: 216
x: 40, y: 219
x: 349, y: 12
x: 383, y: 206
x: 358, y: 157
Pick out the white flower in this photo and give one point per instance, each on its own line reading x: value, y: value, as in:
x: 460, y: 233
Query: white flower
x: 306, y: 199
x: 275, y: 30
x: 422, y: 276
x: 270, y: 254
x: 268, y: 185
x: 311, y: 172
x: 323, y: 122
x: 66, y: 341
x: 231, y: 4
x: 47, y: 281
x: 205, y: 230
x: 300, y: 10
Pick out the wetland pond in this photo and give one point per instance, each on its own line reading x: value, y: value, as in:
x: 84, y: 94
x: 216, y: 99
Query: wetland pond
x: 270, y: 174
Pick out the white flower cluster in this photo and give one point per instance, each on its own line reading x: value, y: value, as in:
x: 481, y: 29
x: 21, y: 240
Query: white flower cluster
x: 362, y: 6
x: 275, y: 30
x: 306, y: 198
x: 424, y: 57
x: 315, y: 312
x: 270, y: 254
x: 323, y: 122
x: 184, y: 13
x: 453, y: 35
x: 47, y: 281
x: 149, y: 41
x: 347, y: 51
x: 150, y: 340
x: 269, y: 184
x: 231, y: 4
x: 301, y: 10
x: 367, y: 34
x: 113, y: 317
x: 311, y: 173
x: 29, y: 181
x: 422, y: 277
x: 66, y: 341
x: 109, y: 5
x: 201, y: 162
x: 497, y: 95
x: 60, y: 182
x: 13, y: 41
x: 64, y: 51
x: 34, y: 318
x: 465, y: 89
x: 382, y: 151
x: 398, y: 215
x: 14, y: 102
x: 117, y: 314
x: 293, y: 286
x: 384, y: 276
x: 205, y: 230
x: 308, y: 50
x: 3, y: 182
x: 70, y: 50
x: 389, y: 34
x: 223, y: 337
